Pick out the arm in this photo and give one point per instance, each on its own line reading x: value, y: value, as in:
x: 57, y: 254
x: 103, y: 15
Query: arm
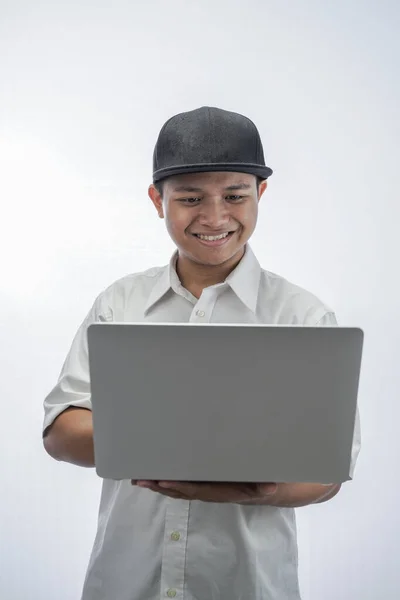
x: 68, y: 426
x: 294, y: 495
x: 70, y: 437
x: 282, y: 495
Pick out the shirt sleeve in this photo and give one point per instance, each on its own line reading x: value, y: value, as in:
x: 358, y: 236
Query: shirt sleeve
x: 329, y: 320
x: 73, y: 385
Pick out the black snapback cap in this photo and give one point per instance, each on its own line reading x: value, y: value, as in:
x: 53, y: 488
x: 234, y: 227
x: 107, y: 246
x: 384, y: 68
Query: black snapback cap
x: 208, y: 139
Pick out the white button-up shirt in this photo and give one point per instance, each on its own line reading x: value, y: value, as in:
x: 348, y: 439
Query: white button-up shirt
x: 148, y: 546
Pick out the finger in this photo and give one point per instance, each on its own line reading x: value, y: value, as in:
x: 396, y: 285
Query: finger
x: 207, y: 492
x: 149, y: 485
x: 146, y: 483
x: 170, y: 493
x: 154, y: 487
x: 267, y: 489
x: 174, y: 495
x: 184, y: 487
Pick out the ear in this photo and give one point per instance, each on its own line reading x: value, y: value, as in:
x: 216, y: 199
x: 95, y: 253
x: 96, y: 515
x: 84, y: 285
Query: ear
x: 261, y: 189
x: 156, y: 199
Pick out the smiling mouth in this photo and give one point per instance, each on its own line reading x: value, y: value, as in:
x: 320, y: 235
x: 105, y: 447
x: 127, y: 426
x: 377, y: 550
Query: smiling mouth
x: 213, y: 240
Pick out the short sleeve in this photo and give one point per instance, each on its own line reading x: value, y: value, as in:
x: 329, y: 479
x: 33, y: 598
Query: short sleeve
x: 329, y: 320
x: 73, y: 385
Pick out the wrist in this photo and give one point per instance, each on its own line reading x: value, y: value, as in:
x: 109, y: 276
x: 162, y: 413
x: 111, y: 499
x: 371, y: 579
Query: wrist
x: 295, y: 495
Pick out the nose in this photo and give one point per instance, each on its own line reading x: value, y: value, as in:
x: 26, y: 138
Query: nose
x: 214, y: 214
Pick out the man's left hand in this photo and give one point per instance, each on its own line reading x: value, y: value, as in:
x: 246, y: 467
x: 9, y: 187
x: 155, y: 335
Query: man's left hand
x: 237, y: 493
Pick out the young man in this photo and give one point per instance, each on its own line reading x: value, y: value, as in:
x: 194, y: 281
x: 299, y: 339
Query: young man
x: 185, y: 540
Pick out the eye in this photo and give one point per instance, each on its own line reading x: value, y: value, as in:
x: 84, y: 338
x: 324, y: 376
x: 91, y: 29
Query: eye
x: 235, y: 198
x: 189, y: 200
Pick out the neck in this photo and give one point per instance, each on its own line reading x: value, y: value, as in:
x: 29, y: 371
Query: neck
x: 196, y: 276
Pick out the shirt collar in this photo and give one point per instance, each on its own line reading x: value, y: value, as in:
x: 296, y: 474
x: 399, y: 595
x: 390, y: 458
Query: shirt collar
x: 162, y: 285
x: 244, y: 281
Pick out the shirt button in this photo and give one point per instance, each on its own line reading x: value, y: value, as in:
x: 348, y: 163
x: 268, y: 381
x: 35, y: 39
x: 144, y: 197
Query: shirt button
x: 171, y: 593
x: 200, y: 313
x: 175, y: 536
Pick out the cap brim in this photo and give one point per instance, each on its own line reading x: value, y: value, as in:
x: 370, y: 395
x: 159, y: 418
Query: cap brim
x: 257, y: 170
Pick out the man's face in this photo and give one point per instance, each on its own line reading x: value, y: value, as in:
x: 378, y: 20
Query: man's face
x: 209, y: 216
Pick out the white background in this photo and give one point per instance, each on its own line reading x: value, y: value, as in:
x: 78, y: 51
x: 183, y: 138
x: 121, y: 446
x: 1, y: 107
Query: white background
x: 84, y: 90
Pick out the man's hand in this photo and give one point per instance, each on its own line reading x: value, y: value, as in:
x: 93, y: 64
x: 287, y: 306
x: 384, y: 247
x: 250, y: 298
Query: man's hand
x: 237, y: 493
x: 283, y: 495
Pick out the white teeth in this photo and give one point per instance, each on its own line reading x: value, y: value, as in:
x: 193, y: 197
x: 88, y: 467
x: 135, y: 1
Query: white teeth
x: 212, y: 238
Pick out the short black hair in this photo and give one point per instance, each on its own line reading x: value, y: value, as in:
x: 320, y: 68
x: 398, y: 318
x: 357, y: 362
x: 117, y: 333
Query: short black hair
x: 160, y: 185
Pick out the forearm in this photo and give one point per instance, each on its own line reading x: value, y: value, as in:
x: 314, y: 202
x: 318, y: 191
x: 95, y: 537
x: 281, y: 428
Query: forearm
x: 294, y: 495
x: 70, y: 438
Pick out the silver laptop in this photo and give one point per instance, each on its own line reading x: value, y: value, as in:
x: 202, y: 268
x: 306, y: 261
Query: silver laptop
x: 216, y: 402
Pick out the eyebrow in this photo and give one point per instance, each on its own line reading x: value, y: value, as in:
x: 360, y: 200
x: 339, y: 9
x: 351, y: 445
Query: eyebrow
x: 229, y: 188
